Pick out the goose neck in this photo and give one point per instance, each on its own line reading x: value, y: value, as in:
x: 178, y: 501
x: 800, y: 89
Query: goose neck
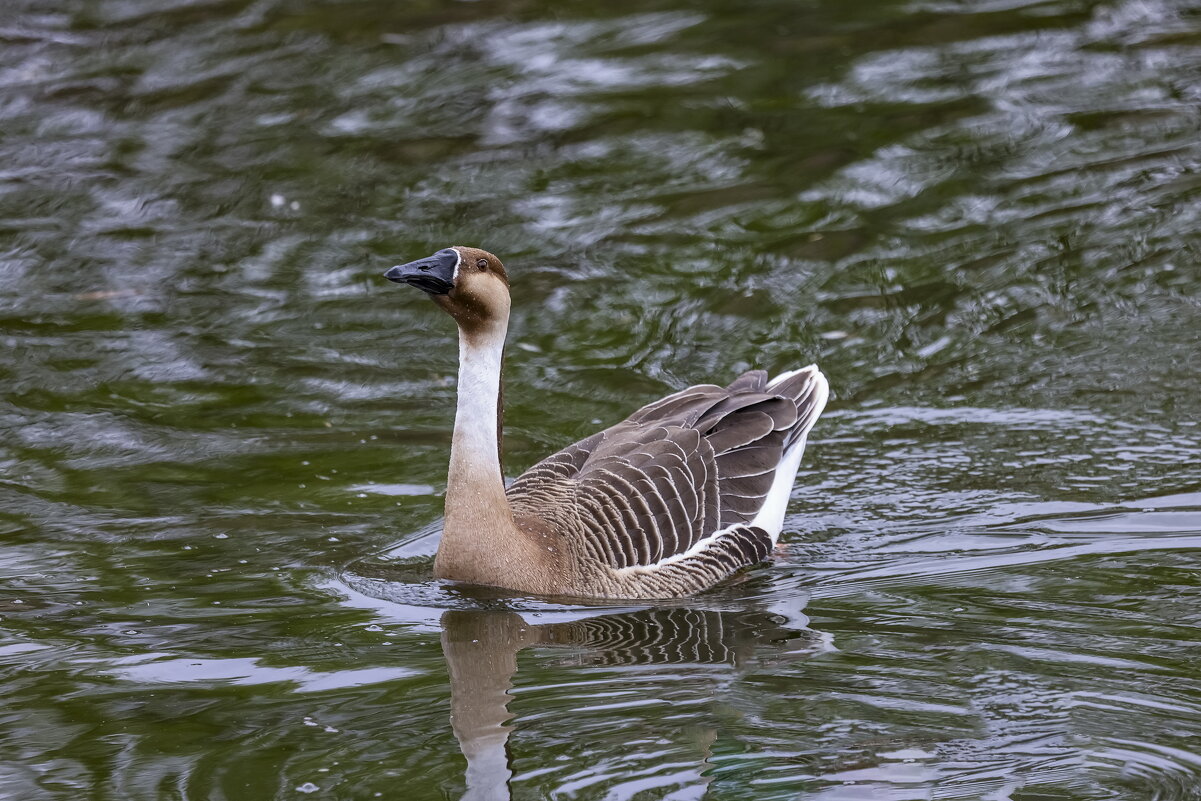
x: 477, y: 510
x: 481, y: 541
x: 475, y: 451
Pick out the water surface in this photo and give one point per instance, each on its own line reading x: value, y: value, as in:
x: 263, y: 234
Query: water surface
x: 224, y: 435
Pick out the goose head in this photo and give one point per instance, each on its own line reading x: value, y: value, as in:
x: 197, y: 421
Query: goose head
x: 470, y: 284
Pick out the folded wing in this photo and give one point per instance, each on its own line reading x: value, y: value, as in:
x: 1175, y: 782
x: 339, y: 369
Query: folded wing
x: 687, y: 483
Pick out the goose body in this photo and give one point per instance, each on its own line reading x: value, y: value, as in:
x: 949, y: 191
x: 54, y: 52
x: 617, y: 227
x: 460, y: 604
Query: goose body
x: 673, y: 499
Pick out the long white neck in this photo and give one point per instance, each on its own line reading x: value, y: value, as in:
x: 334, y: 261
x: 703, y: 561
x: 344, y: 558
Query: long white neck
x: 478, y: 518
x: 476, y: 445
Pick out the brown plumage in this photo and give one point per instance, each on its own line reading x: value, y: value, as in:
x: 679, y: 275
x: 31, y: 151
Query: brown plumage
x: 678, y: 496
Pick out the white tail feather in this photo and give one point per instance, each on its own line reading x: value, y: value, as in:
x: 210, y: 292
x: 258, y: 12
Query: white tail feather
x: 771, y: 515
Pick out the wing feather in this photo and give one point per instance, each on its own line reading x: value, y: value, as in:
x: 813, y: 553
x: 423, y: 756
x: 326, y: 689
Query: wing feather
x: 750, y: 381
x: 751, y: 460
x: 751, y: 426
x: 679, y: 481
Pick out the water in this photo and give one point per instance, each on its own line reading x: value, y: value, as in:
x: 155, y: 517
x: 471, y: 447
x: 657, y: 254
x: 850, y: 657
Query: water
x: 224, y: 435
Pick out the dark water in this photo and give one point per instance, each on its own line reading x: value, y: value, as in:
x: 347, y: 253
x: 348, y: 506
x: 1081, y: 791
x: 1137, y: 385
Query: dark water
x: 223, y: 435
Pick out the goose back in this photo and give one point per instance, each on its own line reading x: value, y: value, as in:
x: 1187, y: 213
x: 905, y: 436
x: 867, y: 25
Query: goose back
x: 682, y: 493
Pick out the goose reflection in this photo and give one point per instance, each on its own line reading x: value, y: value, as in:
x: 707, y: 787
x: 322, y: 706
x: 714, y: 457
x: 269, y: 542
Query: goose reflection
x: 481, y: 648
x: 481, y: 657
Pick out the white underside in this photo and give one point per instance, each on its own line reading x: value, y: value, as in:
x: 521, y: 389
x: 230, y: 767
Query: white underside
x: 771, y: 516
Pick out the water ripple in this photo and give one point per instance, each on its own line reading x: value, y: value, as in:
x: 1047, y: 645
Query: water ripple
x: 225, y: 437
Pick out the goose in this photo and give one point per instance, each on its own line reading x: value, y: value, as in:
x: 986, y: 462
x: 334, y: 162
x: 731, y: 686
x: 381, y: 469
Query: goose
x: 678, y: 496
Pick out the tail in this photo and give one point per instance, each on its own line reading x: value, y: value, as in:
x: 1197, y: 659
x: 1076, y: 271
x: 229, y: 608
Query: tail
x: 806, y: 387
x: 809, y: 390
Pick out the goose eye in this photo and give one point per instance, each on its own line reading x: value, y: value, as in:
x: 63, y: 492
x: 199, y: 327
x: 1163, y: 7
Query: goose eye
x: 482, y: 264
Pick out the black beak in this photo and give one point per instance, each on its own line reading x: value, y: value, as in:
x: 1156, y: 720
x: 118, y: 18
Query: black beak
x: 434, y: 275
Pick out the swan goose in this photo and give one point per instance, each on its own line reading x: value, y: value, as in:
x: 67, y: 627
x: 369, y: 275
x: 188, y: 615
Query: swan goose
x: 673, y: 499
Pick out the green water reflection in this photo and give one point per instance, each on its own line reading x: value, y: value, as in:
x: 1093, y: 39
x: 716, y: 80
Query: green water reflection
x: 224, y: 438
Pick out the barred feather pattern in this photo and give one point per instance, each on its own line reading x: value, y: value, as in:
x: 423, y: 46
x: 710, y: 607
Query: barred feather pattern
x: 663, y: 504
x: 657, y: 636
